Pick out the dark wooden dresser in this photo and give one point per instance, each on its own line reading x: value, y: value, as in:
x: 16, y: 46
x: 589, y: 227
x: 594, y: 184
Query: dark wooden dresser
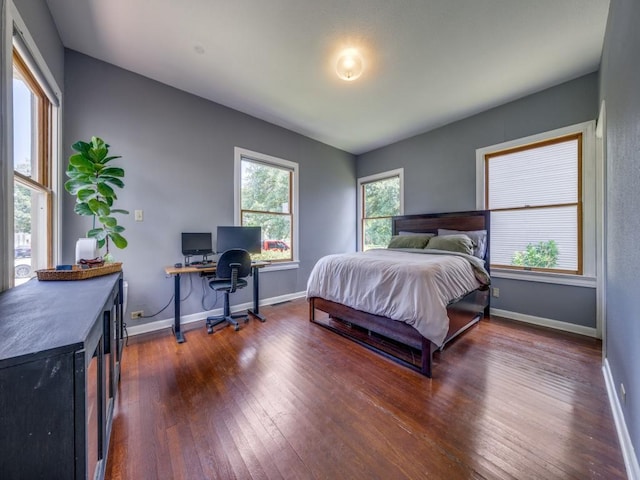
x: 60, y: 349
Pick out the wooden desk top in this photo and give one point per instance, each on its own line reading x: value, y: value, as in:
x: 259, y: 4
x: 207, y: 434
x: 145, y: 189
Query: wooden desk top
x: 171, y: 270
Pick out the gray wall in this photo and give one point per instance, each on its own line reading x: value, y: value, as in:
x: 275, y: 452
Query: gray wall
x: 178, y: 152
x: 440, y: 176
x: 39, y: 21
x: 620, y: 84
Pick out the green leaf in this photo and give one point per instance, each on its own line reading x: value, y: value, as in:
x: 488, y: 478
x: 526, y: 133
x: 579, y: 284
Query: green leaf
x: 109, y: 200
x: 81, y: 161
x: 108, y: 159
x: 85, y: 170
x: 97, y: 142
x: 83, y: 209
x: 119, y: 210
x: 105, y: 190
x: 117, y: 229
x: 102, y: 242
x: 113, y: 181
x: 118, y: 240
x: 99, y: 208
x: 73, y: 172
x: 82, y: 147
x: 97, y: 233
x: 74, y: 185
x: 101, y: 154
x: 113, y: 172
x: 108, y: 221
x: 86, y: 194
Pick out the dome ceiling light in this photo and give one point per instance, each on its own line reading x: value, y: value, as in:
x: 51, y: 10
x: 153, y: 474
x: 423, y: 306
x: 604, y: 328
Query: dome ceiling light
x: 350, y: 65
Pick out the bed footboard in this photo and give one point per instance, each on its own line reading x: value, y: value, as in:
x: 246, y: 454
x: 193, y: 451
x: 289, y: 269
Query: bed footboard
x: 397, y: 331
x: 462, y: 315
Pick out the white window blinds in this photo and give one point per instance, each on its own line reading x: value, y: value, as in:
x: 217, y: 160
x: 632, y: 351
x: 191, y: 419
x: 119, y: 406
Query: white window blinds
x: 534, y: 194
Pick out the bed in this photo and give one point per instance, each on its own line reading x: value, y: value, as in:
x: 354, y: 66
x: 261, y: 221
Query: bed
x: 393, y: 330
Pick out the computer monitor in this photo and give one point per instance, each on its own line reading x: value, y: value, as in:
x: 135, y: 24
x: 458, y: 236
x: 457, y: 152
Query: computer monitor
x: 247, y: 238
x: 197, y: 244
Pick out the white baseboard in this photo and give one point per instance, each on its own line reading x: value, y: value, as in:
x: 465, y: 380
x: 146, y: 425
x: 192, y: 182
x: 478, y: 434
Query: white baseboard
x: 546, y: 322
x: 200, y: 316
x: 628, y: 452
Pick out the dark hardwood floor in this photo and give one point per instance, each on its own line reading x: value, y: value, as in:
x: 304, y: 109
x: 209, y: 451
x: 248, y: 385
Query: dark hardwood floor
x: 289, y: 399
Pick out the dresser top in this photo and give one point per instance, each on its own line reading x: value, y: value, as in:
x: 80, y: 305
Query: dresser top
x: 41, y: 316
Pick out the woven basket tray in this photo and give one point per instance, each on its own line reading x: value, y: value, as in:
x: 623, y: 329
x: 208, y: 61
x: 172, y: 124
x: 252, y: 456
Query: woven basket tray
x: 78, y: 273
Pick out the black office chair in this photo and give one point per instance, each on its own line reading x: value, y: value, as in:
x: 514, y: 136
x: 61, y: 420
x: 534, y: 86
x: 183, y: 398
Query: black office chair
x: 232, y: 268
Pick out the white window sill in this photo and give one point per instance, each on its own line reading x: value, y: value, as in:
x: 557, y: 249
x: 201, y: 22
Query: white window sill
x: 274, y: 267
x: 557, y: 278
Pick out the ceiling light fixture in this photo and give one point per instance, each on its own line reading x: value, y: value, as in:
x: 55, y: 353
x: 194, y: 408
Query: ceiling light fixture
x: 350, y: 65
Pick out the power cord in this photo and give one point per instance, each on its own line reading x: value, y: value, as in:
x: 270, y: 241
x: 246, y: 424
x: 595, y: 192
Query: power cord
x: 204, y: 294
x: 171, y: 300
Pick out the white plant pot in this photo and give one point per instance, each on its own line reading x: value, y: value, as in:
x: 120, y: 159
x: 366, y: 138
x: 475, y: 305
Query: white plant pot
x: 86, y: 249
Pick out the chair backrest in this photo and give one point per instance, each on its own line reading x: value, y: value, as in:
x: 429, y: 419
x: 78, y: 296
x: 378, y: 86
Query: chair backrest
x: 233, y: 255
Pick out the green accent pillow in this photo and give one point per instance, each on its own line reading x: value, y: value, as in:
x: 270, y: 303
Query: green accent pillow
x: 410, y: 241
x: 452, y: 243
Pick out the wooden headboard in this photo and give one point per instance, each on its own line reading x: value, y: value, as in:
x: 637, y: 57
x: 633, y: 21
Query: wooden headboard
x: 431, y: 222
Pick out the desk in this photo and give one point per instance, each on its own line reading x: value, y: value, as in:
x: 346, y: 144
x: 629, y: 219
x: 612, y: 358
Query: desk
x: 176, y: 272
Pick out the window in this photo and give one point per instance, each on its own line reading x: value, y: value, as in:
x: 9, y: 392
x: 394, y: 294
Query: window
x: 380, y: 197
x: 266, y: 196
x: 534, y: 189
x: 32, y: 165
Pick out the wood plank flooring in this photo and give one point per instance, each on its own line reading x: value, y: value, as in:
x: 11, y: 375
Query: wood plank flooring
x: 289, y: 399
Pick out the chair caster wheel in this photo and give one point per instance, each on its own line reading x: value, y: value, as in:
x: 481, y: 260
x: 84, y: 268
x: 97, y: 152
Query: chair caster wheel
x: 209, y: 330
x: 236, y: 328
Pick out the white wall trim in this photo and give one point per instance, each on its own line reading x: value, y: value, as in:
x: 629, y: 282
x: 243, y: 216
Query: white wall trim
x: 546, y: 322
x: 543, y: 277
x: 6, y: 150
x: 628, y: 452
x: 601, y: 209
x: 133, y: 330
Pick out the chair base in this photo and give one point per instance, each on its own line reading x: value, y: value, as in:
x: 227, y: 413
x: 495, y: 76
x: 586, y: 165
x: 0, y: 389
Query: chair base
x: 229, y: 319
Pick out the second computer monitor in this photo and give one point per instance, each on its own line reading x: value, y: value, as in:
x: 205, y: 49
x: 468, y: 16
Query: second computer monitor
x: 247, y: 238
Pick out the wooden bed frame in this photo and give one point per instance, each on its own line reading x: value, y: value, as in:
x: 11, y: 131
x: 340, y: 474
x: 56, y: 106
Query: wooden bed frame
x: 462, y: 314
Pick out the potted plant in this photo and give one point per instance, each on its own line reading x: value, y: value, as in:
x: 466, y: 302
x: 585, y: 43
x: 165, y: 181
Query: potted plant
x: 93, y: 182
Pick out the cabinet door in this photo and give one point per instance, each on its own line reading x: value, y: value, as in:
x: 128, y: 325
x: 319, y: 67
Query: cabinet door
x: 95, y: 413
x: 37, y: 419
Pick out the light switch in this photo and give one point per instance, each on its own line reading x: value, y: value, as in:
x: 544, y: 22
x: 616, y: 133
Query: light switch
x: 138, y: 215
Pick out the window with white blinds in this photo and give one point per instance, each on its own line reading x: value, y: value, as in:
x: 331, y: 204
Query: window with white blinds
x: 534, y: 194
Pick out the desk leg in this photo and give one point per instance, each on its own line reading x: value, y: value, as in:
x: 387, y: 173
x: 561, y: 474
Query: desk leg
x: 176, y: 309
x: 255, y: 311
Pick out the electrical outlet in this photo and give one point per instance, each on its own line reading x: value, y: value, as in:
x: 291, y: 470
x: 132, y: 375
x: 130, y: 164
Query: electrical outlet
x: 138, y: 215
x: 623, y: 394
x: 495, y: 292
x: 137, y: 314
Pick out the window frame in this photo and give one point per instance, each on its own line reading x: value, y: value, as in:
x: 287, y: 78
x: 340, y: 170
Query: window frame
x: 41, y: 181
x: 587, y: 225
x: 362, y: 181
x: 16, y: 35
x: 242, y: 153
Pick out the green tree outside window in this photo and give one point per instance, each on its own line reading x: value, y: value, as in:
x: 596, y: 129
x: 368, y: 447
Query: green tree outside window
x: 381, y: 201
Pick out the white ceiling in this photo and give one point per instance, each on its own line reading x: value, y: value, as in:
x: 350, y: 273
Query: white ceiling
x: 427, y: 62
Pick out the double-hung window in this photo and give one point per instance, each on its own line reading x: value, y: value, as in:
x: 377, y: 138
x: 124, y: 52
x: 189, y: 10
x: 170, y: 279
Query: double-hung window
x: 380, y: 197
x: 534, y: 189
x: 266, y: 196
x: 32, y: 167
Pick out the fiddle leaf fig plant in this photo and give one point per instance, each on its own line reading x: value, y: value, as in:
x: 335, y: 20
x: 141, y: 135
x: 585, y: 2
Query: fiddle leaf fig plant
x: 93, y: 182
